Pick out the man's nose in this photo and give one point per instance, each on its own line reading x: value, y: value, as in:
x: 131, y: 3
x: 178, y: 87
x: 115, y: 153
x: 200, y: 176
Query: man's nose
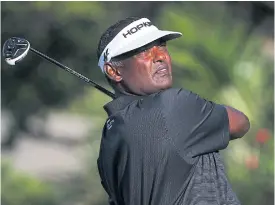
x: 158, y: 55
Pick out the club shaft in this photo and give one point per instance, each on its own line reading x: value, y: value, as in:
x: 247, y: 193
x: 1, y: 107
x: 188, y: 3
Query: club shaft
x: 107, y: 92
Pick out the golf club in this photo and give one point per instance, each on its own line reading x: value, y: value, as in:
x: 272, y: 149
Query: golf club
x: 15, y: 49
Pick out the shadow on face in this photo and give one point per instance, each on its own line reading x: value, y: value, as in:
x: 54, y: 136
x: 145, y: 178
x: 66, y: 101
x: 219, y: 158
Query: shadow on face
x: 144, y: 71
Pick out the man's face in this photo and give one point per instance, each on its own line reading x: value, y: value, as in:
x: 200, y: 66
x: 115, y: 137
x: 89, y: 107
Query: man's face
x: 148, y: 71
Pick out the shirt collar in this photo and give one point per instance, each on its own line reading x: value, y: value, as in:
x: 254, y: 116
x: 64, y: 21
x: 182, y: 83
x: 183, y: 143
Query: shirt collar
x: 120, y: 103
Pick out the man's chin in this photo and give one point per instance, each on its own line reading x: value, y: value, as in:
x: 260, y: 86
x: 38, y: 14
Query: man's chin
x: 164, y: 83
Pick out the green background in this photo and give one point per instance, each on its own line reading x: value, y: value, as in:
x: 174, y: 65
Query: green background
x: 226, y: 55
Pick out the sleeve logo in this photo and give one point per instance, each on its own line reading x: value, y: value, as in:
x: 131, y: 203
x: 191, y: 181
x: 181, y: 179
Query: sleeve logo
x: 110, y: 123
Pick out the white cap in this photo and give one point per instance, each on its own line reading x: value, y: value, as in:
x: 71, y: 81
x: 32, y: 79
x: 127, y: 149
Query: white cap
x: 133, y: 36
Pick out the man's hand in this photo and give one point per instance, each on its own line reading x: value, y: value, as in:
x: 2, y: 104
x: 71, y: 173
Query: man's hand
x: 238, y: 123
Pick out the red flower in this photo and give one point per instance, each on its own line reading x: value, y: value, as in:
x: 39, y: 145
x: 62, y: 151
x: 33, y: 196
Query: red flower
x: 262, y: 135
x: 252, y: 162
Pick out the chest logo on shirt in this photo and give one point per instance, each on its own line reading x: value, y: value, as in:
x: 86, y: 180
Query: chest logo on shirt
x: 110, y: 123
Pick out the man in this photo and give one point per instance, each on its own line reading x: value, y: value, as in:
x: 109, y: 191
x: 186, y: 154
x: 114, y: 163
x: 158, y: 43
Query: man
x: 160, y: 145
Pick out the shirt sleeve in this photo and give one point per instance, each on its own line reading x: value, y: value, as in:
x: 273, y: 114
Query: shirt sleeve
x: 197, y: 126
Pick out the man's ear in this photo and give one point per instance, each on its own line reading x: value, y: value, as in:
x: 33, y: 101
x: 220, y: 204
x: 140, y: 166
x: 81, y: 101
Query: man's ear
x: 112, y: 72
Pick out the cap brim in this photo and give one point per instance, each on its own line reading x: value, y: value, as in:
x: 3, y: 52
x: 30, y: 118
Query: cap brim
x: 146, y: 39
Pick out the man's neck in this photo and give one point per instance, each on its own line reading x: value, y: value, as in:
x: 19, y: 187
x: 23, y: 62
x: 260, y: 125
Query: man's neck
x: 120, y: 91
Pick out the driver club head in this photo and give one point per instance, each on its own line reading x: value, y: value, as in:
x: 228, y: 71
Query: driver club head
x: 15, y: 49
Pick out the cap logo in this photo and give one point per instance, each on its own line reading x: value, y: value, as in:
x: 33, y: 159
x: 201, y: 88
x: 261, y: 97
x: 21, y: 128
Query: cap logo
x: 137, y: 28
x: 106, y: 53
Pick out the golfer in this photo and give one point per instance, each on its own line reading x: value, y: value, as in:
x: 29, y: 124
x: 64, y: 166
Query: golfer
x: 160, y: 145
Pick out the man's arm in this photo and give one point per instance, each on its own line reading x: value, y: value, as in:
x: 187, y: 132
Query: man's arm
x: 238, y: 123
x: 199, y: 126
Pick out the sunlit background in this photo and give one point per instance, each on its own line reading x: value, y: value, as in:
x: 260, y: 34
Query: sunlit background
x: 51, y: 121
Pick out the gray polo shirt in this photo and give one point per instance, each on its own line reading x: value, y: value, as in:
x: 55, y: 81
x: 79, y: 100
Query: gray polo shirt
x: 163, y: 149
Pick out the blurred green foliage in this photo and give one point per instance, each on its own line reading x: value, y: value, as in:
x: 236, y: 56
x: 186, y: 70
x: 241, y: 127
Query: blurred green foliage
x: 18, y: 188
x: 221, y: 56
